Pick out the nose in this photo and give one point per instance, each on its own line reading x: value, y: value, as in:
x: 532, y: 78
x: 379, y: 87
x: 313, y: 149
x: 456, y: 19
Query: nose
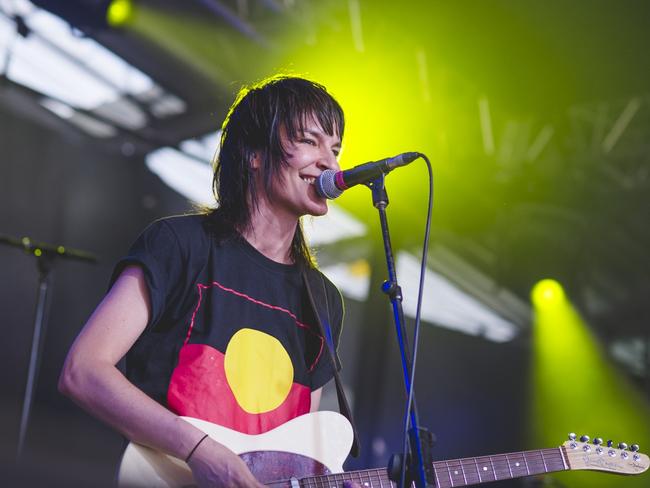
x: 328, y: 161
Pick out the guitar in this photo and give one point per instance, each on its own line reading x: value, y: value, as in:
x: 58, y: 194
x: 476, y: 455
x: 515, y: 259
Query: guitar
x: 309, y: 451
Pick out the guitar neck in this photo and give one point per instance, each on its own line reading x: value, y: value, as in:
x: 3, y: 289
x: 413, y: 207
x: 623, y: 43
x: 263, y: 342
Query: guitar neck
x: 459, y: 472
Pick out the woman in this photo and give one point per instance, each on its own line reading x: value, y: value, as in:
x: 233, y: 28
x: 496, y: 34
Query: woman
x: 210, y: 310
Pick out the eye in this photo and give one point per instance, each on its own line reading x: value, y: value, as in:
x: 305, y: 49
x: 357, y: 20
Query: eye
x: 336, y: 152
x: 306, y: 140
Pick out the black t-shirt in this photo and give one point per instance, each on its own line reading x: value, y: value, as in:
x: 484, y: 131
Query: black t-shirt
x: 231, y: 338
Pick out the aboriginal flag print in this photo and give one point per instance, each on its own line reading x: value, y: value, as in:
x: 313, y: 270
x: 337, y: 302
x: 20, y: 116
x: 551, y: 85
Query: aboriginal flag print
x: 245, y: 362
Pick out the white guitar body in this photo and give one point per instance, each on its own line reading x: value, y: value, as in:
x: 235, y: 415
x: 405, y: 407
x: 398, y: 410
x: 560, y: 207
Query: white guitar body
x: 325, y: 437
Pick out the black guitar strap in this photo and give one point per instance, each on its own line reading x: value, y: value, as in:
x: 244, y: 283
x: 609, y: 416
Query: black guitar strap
x: 315, y: 286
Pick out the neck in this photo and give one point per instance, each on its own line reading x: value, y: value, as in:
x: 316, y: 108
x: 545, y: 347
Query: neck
x: 271, y: 235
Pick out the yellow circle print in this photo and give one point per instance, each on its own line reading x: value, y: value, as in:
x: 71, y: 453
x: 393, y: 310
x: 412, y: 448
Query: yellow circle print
x: 258, y: 370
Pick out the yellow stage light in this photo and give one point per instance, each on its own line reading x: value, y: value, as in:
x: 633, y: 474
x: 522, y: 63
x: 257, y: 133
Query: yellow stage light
x: 576, y: 388
x: 547, y: 293
x: 119, y: 13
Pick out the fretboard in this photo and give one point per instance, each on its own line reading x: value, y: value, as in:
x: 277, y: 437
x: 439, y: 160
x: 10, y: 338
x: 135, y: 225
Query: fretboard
x: 457, y: 472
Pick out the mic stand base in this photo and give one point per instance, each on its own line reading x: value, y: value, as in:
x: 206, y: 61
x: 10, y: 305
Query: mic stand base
x: 427, y: 441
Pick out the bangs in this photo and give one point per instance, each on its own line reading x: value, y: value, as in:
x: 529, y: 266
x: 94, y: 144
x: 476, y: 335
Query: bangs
x: 300, y: 101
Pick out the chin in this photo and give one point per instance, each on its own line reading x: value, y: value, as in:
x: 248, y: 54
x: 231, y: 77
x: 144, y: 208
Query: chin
x: 318, y: 211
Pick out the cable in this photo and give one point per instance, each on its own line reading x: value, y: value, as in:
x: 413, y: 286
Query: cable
x: 416, y: 330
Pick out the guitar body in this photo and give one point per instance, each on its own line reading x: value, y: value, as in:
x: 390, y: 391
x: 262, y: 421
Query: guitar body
x: 312, y: 444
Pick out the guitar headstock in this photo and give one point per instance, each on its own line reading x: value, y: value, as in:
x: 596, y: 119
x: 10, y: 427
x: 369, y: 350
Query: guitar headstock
x: 581, y: 454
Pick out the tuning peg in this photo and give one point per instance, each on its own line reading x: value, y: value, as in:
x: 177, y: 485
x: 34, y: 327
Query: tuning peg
x: 584, y: 438
x: 622, y: 445
x: 610, y: 443
x: 572, y: 436
x: 598, y: 441
x: 634, y: 447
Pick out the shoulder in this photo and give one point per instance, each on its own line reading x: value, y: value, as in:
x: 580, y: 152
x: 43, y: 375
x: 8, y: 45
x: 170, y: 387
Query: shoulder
x: 183, y: 235
x: 185, y: 229
x: 182, y: 224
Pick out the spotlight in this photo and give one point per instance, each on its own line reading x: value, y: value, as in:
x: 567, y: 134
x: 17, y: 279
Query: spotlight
x: 119, y: 13
x: 547, y: 293
x: 90, y: 15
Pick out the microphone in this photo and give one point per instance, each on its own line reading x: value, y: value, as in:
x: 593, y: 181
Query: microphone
x: 331, y: 184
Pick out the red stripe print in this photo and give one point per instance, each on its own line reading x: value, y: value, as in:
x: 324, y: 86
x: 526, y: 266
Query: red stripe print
x: 202, y: 287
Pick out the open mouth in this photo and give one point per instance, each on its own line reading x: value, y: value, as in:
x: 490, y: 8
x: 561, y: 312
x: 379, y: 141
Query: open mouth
x: 308, y: 179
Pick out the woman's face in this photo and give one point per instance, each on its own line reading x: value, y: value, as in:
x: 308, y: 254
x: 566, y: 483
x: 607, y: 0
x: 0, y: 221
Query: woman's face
x: 293, y: 191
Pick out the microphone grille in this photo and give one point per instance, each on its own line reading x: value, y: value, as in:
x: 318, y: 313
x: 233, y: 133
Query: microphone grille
x: 326, y: 185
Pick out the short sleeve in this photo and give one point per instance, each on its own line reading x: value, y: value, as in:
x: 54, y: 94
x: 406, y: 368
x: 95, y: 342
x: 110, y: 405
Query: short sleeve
x: 324, y: 371
x: 158, y: 253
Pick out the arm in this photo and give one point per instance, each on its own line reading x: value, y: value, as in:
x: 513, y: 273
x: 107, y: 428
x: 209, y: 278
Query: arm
x: 91, y: 379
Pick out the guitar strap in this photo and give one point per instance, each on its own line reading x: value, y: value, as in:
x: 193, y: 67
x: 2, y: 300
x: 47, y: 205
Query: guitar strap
x: 315, y: 286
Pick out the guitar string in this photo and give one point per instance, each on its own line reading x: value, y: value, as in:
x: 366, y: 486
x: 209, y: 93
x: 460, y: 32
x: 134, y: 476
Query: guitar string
x: 540, y: 460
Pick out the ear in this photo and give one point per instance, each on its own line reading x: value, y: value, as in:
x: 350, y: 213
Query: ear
x: 256, y: 160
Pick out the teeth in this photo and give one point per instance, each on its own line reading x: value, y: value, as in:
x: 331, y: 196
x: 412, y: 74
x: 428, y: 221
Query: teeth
x: 308, y: 180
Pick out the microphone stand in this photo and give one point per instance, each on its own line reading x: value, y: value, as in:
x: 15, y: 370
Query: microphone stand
x: 420, y: 461
x: 45, y: 255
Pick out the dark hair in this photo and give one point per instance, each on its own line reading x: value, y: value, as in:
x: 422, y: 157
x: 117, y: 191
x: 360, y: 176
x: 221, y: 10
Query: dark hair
x: 253, y: 126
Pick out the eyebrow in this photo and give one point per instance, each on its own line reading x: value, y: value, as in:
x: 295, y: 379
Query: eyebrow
x: 319, y: 134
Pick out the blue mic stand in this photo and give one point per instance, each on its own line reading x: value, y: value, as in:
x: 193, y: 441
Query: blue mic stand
x: 420, y: 461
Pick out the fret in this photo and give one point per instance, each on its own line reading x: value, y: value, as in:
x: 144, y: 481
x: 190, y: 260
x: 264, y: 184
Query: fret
x: 483, y: 464
x: 368, y: 483
x: 471, y: 471
x: 322, y: 481
x: 534, y: 462
x: 340, y: 479
x: 554, y: 460
x: 439, y: 468
x: 500, y: 467
x: 360, y: 478
x: 455, y: 472
x: 462, y: 469
x: 451, y: 480
x: 366, y: 478
x: 565, y: 459
x: 544, y: 461
x: 509, y: 467
x: 435, y: 473
x: 518, y: 465
x: 526, y: 462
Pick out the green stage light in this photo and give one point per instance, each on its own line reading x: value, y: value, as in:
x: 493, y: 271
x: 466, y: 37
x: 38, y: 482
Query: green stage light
x: 547, y: 293
x: 576, y: 388
x: 119, y: 13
